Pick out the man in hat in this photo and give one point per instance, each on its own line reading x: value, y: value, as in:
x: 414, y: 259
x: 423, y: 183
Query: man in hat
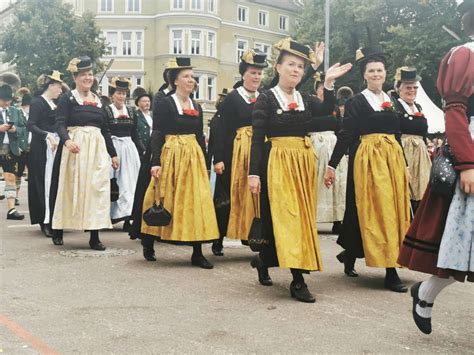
x: 143, y: 115
x: 12, y: 128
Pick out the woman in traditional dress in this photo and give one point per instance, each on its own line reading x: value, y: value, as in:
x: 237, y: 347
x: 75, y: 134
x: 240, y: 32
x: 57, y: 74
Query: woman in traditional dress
x: 80, y: 190
x: 44, y: 143
x: 440, y: 240
x: 232, y: 150
x: 414, y: 127
x: 377, y: 212
x: 179, y: 173
x: 123, y: 129
x: 283, y: 168
x: 331, y: 203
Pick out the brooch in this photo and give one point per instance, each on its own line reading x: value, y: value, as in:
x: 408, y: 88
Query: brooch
x: 279, y: 111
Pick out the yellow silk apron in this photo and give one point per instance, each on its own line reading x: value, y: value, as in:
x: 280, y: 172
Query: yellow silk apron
x: 292, y: 188
x: 186, y: 191
x: 83, y: 199
x: 241, y: 206
x: 419, y: 162
x: 382, y: 198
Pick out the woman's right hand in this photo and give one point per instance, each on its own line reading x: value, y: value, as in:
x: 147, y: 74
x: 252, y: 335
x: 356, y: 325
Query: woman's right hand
x: 155, y: 171
x: 219, y: 168
x: 254, y: 184
x: 73, y: 147
x: 329, y: 177
x: 467, y: 181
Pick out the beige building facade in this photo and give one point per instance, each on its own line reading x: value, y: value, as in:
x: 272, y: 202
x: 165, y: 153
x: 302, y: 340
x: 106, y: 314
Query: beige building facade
x: 143, y: 34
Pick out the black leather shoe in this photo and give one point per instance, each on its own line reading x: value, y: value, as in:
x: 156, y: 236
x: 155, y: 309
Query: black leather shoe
x: 201, y: 262
x: 47, y: 231
x: 395, y: 285
x: 97, y: 245
x: 15, y: 215
x: 300, y: 291
x: 2, y: 197
x: 263, y: 276
x: 58, y: 240
x: 217, y: 248
x: 149, y: 254
x: 423, y: 324
x: 348, y: 264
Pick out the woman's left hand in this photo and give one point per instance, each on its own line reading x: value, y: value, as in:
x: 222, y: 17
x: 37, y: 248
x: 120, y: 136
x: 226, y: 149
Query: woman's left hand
x: 467, y: 181
x: 115, y: 163
x: 336, y: 71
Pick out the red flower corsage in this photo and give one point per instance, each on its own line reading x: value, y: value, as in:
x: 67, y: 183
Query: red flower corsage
x: 90, y: 103
x: 292, y: 106
x: 334, y: 114
x: 387, y: 106
x: 419, y: 114
x: 191, y: 112
x: 253, y: 100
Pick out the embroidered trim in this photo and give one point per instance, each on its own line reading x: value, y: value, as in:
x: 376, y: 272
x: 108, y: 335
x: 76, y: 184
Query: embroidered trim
x: 80, y: 101
x: 374, y: 101
x: 283, y: 102
x: 246, y: 95
x: 178, y: 104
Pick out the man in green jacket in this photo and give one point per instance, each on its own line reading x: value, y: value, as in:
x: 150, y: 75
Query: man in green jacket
x: 12, y: 128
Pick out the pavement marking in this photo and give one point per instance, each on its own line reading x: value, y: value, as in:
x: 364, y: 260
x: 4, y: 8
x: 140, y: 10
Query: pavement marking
x: 20, y: 332
x: 22, y: 226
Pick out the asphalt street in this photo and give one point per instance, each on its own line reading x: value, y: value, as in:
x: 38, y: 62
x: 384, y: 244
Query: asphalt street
x: 69, y: 299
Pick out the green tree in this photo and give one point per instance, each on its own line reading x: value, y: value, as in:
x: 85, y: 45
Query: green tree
x: 45, y: 34
x: 410, y: 31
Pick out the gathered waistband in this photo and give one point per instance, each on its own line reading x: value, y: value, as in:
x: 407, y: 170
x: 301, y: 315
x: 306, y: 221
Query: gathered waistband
x: 291, y: 142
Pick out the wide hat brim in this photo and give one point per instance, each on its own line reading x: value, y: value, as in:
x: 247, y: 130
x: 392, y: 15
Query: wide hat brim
x: 290, y: 46
x: 142, y: 95
x: 410, y: 80
x: 364, y: 54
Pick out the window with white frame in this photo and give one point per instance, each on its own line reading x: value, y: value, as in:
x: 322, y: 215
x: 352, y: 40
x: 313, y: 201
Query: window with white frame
x: 211, y: 44
x: 127, y: 43
x: 211, y: 88
x: 212, y: 6
x: 133, y: 5
x: 242, y: 46
x: 177, y: 4
x: 200, y: 84
x: 243, y: 14
x: 263, y: 18
x: 264, y: 47
x: 112, y: 41
x: 283, y: 23
x: 196, y: 5
x: 195, y: 42
x: 106, y: 5
x: 177, y: 41
x: 139, y: 42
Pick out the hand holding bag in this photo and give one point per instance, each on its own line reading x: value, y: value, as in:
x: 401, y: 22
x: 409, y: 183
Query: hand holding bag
x: 255, y: 239
x: 158, y: 215
x: 443, y: 176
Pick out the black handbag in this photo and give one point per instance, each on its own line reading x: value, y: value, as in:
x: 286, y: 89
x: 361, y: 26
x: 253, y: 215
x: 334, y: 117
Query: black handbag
x: 114, y: 190
x: 443, y: 176
x: 157, y: 215
x: 256, y: 240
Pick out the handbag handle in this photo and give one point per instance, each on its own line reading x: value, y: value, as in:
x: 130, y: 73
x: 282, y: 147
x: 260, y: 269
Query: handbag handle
x: 256, y: 204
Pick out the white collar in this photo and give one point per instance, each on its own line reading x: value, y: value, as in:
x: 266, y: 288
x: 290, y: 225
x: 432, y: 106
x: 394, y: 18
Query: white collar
x: 80, y: 101
x: 51, y: 104
x: 178, y: 104
x: 407, y: 107
x: 116, y: 112
x: 374, y: 101
x: 246, y: 95
x: 283, y: 102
